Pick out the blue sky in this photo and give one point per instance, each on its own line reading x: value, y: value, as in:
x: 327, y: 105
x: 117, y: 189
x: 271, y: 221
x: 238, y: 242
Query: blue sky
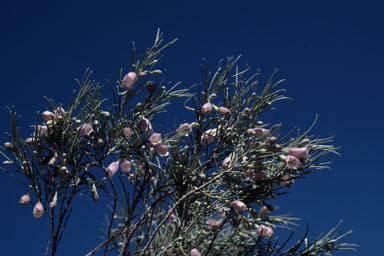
x: 330, y: 53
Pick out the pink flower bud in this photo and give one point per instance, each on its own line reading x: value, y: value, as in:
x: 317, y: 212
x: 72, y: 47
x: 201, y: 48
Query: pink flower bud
x: 286, y: 181
x: 172, y: 217
x: 42, y: 130
x: 52, y: 162
x: 155, y: 138
x: 264, y: 211
x: 212, y: 224
x: 129, y: 80
x: 48, y: 115
x: 146, y: 126
x: 24, y: 200
x: 30, y: 141
x: 184, y: 129
x: 125, y: 166
x: 224, y: 111
x: 292, y: 162
x: 60, y: 112
x: 206, y: 108
x: 161, y: 149
x: 265, y: 231
x: 38, y: 210
x: 85, y: 130
x: 195, y: 252
x: 257, y: 132
x: 53, y: 203
x: 9, y: 146
x: 239, y: 205
x: 127, y: 132
x: 255, y: 175
x: 208, y: 136
x: 112, y: 168
x: 299, y: 152
x: 226, y: 162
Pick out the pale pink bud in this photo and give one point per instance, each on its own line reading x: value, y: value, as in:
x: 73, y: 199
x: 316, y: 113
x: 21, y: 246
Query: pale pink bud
x: 206, y: 108
x: 184, y: 129
x: 155, y: 138
x: 264, y: 211
x: 42, y: 130
x: 52, y: 162
x: 9, y: 146
x: 212, y: 224
x: 30, y: 141
x: 299, y: 152
x: 85, y: 130
x: 53, y: 204
x: 25, y: 199
x: 226, y: 162
x: 265, y: 231
x: 125, y: 166
x: 292, y: 162
x: 195, y: 252
x: 129, y: 80
x: 60, y: 111
x: 208, y: 136
x: 257, y: 132
x: 255, y: 175
x: 161, y: 149
x: 286, y: 181
x: 224, y: 111
x: 127, y: 132
x: 239, y: 205
x: 38, y: 210
x: 48, y: 115
x: 112, y: 168
x: 146, y: 126
x: 172, y: 217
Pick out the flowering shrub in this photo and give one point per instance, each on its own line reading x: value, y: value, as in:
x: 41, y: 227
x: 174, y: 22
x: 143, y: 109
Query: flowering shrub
x: 204, y: 188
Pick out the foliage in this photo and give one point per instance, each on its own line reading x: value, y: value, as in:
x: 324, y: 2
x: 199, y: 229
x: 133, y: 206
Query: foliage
x: 205, y: 188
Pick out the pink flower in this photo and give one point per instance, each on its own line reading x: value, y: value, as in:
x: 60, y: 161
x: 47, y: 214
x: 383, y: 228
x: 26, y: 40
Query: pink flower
x: 224, y: 111
x: 52, y: 162
x: 85, y: 130
x: 172, y: 217
x: 299, y: 152
x: 38, y: 210
x: 286, y: 181
x: 265, y: 231
x: 24, y: 200
x: 239, y: 205
x: 257, y: 132
x: 161, y: 149
x: 255, y: 175
x: 195, y: 252
x: 48, y: 115
x: 206, y: 108
x: 264, y: 211
x: 60, y: 111
x: 112, y: 168
x: 127, y: 132
x: 42, y: 130
x: 292, y: 162
x: 125, y: 166
x: 226, y: 162
x: 155, y: 138
x: 184, y: 129
x: 208, y: 136
x: 129, y: 80
x: 212, y: 224
x: 146, y: 126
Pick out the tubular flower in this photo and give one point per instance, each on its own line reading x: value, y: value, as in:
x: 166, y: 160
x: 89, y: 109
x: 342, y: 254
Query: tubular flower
x: 299, y: 152
x: 184, y: 129
x: 125, y: 166
x: 255, y: 175
x: 48, y: 115
x: 195, y: 252
x: 24, y: 200
x: 161, y: 149
x: 112, y: 168
x: 146, y: 126
x: 265, y: 231
x: 206, y: 108
x: 38, y: 210
x: 129, y: 80
x: 239, y: 205
x: 85, y: 130
x: 155, y: 138
x: 127, y: 132
x: 208, y: 136
x: 212, y: 224
x: 292, y: 162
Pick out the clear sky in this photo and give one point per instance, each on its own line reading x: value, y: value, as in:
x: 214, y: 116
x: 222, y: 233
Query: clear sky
x: 330, y: 53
